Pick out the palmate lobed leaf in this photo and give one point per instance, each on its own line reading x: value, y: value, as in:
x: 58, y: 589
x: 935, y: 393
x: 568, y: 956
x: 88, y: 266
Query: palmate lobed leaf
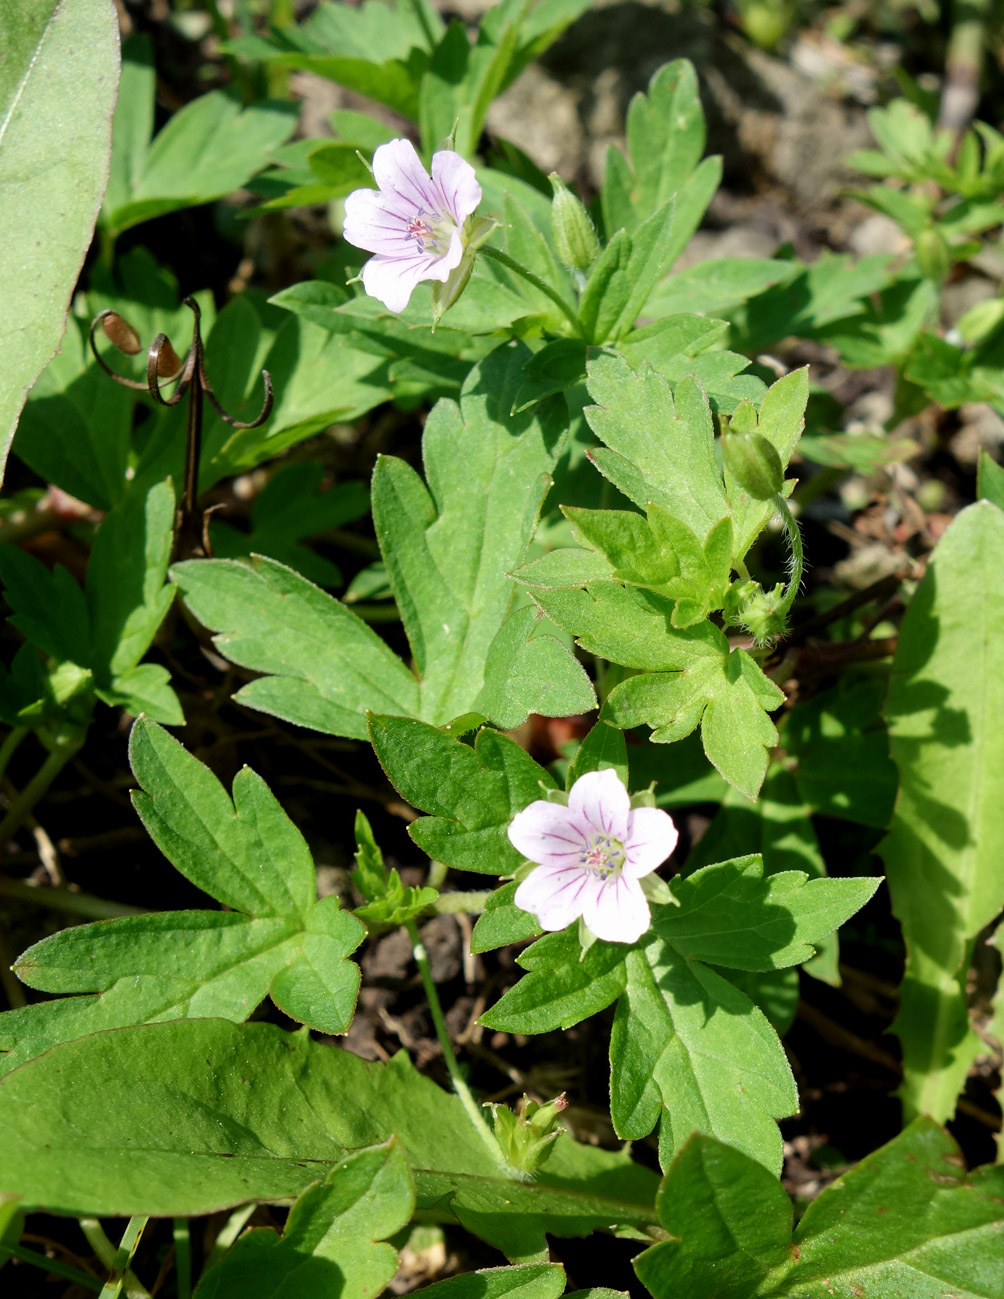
x: 188, y: 1117
x: 906, y: 1223
x: 448, y: 557
x: 688, y: 676
x: 277, y: 939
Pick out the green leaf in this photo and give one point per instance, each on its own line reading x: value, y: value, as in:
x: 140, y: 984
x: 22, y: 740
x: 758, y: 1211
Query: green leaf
x: 718, y: 285
x: 990, y: 480
x: 623, y: 278
x: 48, y: 606
x: 388, y: 902
x: 688, y: 1050
x: 126, y: 590
x: 944, y: 847
x: 665, y: 137
x: 377, y: 49
x: 448, y: 555
x: 335, y: 1234
x: 562, y: 986
x: 203, y: 1114
x: 528, y: 673
x: 58, y: 83
x: 472, y: 793
x: 639, y: 420
x: 729, y: 1222
x: 248, y: 855
x: 328, y: 666
x: 676, y: 346
x: 906, y: 1220
x: 527, y: 1281
x: 730, y: 915
x: 779, y: 827
x: 502, y: 922
x: 603, y: 748
x: 206, y: 150
x: 690, y: 676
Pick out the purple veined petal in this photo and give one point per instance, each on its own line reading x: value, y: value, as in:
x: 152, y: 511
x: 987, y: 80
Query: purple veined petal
x: 546, y: 832
x: 392, y: 280
x: 651, y: 838
x: 619, y: 912
x: 398, y: 170
x: 369, y: 224
x: 456, y: 182
x: 555, y: 895
x: 600, y: 798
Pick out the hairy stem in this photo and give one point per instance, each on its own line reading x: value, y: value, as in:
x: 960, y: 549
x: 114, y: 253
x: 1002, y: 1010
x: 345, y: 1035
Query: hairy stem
x: 497, y: 255
x: 794, y: 535
x: 474, y: 1112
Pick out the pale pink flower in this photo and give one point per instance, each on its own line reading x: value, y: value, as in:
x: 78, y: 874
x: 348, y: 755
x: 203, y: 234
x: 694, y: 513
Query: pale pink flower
x: 414, y: 223
x: 592, y: 854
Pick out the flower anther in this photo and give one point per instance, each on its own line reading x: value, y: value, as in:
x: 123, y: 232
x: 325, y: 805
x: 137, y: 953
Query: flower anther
x: 591, y: 856
x: 417, y: 225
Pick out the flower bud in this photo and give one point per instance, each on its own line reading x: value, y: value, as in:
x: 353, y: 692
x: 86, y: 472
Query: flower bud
x: 933, y: 255
x: 763, y: 614
x: 754, y: 463
x: 526, y: 1135
x: 574, y: 236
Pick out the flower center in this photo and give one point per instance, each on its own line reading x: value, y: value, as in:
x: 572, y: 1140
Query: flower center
x: 602, y: 856
x: 430, y: 231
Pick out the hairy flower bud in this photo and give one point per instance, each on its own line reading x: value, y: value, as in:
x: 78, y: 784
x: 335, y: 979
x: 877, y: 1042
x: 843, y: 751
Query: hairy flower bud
x: 933, y: 255
x: 574, y: 236
x: 754, y: 463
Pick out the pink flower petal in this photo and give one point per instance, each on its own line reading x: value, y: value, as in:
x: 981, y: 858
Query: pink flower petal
x: 547, y: 833
x: 391, y: 280
x: 371, y: 224
x: 600, y: 798
x: 618, y: 912
x: 455, y: 180
x: 651, y: 837
x: 398, y: 170
x: 556, y: 895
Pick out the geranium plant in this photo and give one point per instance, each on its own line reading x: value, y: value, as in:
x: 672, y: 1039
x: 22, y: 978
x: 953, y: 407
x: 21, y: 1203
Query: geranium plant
x: 500, y: 771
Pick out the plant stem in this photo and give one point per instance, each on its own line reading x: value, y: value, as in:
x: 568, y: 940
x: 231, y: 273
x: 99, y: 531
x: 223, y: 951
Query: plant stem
x: 36, y: 787
x: 51, y: 1265
x: 472, y: 904
x: 181, y: 1231
x: 59, y: 898
x: 497, y: 255
x: 116, y: 1259
x: 474, y: 1112
x: 14, y: 738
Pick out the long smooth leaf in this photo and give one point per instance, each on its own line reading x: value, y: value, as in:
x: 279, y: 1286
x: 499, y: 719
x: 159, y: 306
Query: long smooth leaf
x: 58, y: 80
